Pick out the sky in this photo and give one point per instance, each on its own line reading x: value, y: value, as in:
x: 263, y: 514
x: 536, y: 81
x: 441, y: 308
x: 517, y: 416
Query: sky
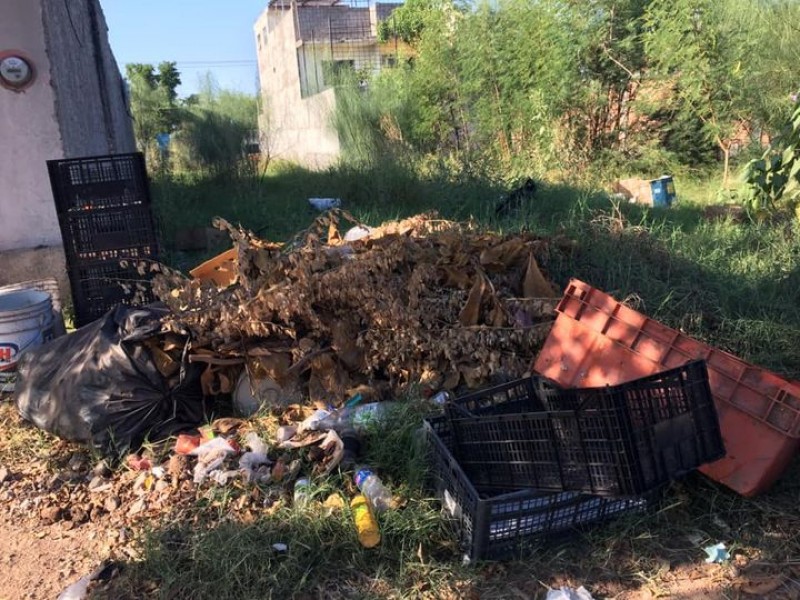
x: 200, y: 35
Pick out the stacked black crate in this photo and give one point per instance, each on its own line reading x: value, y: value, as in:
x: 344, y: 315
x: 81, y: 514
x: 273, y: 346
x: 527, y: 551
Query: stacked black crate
x: 105, y: 214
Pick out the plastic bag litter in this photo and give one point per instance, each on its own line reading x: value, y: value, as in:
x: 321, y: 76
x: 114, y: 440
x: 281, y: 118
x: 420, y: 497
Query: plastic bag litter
x: 100, y: 385
x: 567, y: 593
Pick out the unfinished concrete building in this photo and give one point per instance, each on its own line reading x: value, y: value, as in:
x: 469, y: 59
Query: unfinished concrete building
x: 303, y: 45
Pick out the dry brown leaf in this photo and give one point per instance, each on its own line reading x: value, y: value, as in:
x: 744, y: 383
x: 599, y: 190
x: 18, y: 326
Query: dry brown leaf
x: 497, y: 316
x: 455, y: 278
x: 472, y: 375
x: 225, y: 383
x: 226, y: 425
x: 502, y: 256
x: 328, y: 382
x: 470, y: 314
x: 275, y: 366
x: 334, y: 238
x: 344, y: 334
x: 452, y: 379
x: 207, y: 380
x: 535, y: 285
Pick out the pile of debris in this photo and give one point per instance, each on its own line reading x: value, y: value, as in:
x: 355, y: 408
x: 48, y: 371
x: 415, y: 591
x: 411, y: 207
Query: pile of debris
x: 327, y: 316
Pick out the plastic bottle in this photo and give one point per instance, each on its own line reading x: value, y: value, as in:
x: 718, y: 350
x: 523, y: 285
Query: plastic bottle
x: 356, y: 418
x: 302, y: 491
x: 311, y: 423
x: 371, y: 486
x: 366, y: 525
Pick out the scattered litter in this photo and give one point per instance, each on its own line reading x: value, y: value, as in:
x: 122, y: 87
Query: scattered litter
x: 567, y: 593
x: 370, y: 485
x: 255, y: 443
x: 254, y: 395
x: 302, y: 491
x: 369, y: 534
x: 334, y: 502
x: 285, y: 433
x: 280, y: 547
x: 250, y: 462
x: 716, y: 553
x: 359, y: 232
x: 138, y: 463
x: 222, y: 478
x: 215, y: 445
x: 186, y: 443
x: 210, y: 455
x: 78, y: 590
x: 325, y: 203
x: 333, y: 449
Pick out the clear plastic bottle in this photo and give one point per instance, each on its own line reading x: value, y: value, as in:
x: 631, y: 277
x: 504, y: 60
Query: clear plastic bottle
x: 356, y: 418
x: 371, y: 486
x: 366, y: 525
x: 302, y: 491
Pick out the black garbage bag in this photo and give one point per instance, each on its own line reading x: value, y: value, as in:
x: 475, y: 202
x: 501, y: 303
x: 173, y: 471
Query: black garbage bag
x: 100, y: 385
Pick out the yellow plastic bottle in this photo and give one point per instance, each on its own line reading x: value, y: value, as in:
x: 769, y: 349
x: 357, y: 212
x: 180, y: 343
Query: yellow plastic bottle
x: 366, y: 526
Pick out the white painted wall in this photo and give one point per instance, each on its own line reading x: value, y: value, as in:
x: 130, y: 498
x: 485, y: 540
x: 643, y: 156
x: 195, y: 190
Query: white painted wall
x: 29, y: 135
x: 295, y: 128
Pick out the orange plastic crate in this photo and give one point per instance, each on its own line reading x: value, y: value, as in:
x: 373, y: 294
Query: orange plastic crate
x: 596, y: 341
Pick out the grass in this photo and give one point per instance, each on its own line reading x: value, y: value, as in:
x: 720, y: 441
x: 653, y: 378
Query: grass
x: 734, y: 285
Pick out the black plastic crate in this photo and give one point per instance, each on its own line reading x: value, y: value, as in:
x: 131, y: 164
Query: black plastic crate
x: 100, y: 286
x: 619, y: 440
x: 89, y: 233
x: 98, y: 182
x: 493, y: 525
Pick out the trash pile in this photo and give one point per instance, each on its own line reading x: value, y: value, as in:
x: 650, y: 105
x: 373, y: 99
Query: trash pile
x: 347, y: 320
x: 371, y: 311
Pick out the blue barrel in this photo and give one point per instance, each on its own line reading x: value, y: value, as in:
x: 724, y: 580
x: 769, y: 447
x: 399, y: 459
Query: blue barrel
x: 663, y: 190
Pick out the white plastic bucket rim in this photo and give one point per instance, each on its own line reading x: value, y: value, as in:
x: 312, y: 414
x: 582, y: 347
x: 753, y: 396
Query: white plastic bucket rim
x: 19, y: 303
x: 26, y: 321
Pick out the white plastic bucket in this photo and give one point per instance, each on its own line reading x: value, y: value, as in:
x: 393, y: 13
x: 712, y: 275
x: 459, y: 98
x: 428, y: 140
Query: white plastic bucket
x: 49, y: 286
x: 26, y: 321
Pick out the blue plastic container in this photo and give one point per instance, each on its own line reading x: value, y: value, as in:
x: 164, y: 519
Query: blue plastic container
x: 663, y: 190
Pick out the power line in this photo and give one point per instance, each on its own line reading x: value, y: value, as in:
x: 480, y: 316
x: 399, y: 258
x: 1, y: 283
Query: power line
x: 216, y: 62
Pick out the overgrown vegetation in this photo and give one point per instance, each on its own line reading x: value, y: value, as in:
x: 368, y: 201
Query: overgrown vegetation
x: 553, y: 87
x: 206, y: 132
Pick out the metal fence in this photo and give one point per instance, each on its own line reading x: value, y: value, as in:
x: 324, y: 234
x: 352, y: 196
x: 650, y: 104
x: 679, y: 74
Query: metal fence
x: 336, y: 39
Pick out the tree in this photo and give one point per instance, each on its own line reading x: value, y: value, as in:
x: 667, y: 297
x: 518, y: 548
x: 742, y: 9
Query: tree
x: 702, y: 50
x: 168, y: 79
x: 153, y: 98
x: 142, y: 72
x: 148, y: 103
